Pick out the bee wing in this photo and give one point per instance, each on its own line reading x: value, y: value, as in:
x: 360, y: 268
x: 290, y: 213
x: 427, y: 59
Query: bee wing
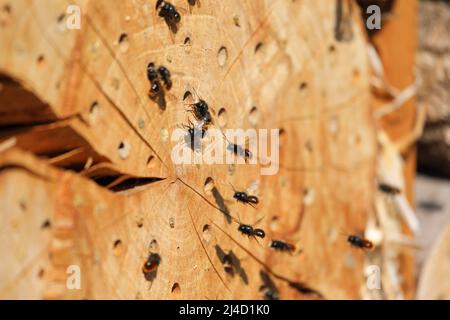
x: 343, y: 233
x: 182, y: 10
x: 258, y: 221
x: 253, y: 188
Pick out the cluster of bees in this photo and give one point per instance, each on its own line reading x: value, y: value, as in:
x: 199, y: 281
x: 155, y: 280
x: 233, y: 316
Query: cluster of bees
x: 201, y: 112
x: 156, y: 76
x: 169, y: 13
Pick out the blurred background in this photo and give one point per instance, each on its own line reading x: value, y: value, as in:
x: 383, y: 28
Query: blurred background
x: 432, y: 187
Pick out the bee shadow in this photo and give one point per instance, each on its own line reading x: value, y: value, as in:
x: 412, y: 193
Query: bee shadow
x: 232, y: 264
x: 220, y: 201
x: 160, y: 100
x: 268, y: 287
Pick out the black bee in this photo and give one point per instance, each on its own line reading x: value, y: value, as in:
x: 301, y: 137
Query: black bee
x: 259, y: 233
x: 156, y: 89
x: 359, y: 242
x: 249, y: 231
x: 169, y: 13
x: 150, y: 267
x: 246, y: 229
x: 156, y: 92
x: 383, y: 187
x: 282, y: 246
x: 164, y: 73
x: 200, y: 110
x: 245, y: 198
x: 151, y: 72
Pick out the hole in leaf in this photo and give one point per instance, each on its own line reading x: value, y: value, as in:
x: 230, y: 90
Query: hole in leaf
x: 153, y: 246
x: 258, y: 46
x: 117, y: 247
x: 124, y: 149
x: 40, y: 59
x: 176, y: 288
x: 46, y: 224
x: 206, y: 232
x: 222, y: 117
x: 253, y: 116
x: 303, y: 85
x: 150, y: 161
x: 187, y: 44
x: 222, y: 56
x: 123, y: 42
